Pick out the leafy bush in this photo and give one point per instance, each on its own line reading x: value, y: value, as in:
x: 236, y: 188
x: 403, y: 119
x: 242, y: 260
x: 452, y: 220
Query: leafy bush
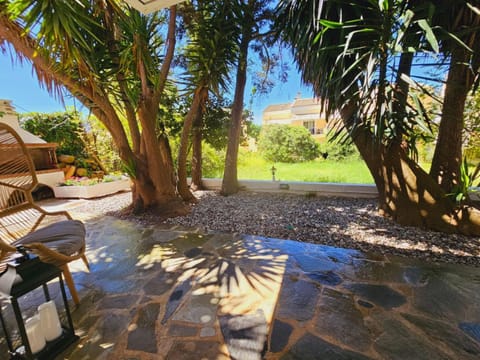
x: 289, y: 144
x: 101, y: 144
x: 340, y: 149
x: 212, y: 161
x: 63, y: 128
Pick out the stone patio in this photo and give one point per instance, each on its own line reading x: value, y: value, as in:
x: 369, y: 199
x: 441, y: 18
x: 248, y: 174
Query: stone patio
x: 173, y: 293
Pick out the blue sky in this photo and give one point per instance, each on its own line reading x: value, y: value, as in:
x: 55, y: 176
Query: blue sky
x: 19, y: 84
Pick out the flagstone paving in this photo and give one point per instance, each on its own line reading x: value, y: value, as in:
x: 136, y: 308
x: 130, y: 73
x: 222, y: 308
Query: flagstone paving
x: 173, y: 293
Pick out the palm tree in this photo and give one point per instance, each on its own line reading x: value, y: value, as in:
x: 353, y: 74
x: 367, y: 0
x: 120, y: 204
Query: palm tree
x: 116, y: 62
x: 251, y: 16
x: 358, y: 56
x: 209, y: 55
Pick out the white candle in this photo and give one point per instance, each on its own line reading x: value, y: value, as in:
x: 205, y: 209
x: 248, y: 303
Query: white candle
x: 49, y: 321
x: 34, y: 334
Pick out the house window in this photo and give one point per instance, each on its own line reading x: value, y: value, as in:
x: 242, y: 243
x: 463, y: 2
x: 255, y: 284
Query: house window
x: 310, y: 125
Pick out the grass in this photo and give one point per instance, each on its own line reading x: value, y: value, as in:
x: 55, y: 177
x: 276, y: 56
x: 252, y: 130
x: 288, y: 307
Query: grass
x: 251, y: 166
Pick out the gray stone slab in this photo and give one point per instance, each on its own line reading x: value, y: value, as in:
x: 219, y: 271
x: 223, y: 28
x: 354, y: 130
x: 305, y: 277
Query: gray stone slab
x: 110, y: 326
x: 195, y: 350
x: 381, y: 271
x: 118, y: 302
x: 311, y: 347
x: 143, y: 337
x: 182, y: 330
x: 381, y: 295
x: 116, y: 285
x: 280, y: 335
x: 339, y: 255
x: 198, y: 309
x: 416, y: 276
x: 159, y: 237
x: 309, y: 263
x: 298, y: 300
x: 328, y: 278
x: 339, y: 318
x: 193, y: 252
x: 207, y: 332
x: 245, y: 335
x: 176, y: 298
x: 159, y: 284
x: 437, y: 332
x: 189, y: 241
x: 472, y: 329
x: 398, y: 342
x: 442, y: 300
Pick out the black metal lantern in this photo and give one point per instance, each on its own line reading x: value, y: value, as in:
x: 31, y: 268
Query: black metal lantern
x: 36, y: 343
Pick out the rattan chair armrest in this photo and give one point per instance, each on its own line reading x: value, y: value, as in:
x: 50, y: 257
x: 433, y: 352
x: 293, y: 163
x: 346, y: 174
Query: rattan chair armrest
x: 51, y: 256
x: 51, y: 213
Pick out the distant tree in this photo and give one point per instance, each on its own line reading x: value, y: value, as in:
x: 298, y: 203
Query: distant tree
x: 253, y: 130
x: 289, y: 144
x: 215, y: 122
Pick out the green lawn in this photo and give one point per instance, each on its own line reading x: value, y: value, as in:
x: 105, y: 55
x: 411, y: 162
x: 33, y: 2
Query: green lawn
x: 251, y: 166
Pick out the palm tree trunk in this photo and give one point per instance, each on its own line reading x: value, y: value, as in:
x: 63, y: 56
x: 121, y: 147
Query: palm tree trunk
x: 197, y: 152
x: 448, y: 151
x: 230, y: 179
x: 199, y: 98
x: 407, y: 194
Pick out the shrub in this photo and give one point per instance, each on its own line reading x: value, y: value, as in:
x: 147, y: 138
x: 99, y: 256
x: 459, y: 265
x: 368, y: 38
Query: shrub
x: 289, y: 144
x: 63, y: 128
x: 212, y: 161
x: 340, y: 149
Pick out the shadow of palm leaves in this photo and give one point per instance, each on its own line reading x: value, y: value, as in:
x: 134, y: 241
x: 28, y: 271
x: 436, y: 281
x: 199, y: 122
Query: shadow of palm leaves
x: 241, y: 270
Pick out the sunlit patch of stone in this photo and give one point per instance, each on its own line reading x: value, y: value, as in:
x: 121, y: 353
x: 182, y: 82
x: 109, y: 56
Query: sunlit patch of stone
x: 193, y: 263
x: 172, y: 265
x: 205, y: 319
x: 97, y: 254
x: 156, y: 255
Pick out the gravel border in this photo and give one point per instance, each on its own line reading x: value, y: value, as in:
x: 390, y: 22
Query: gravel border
x: 341, y: 222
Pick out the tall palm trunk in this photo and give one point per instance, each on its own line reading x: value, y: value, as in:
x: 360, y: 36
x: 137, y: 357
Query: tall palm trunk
x: 197, y: 136
x: 199, y: 97
x: 230, y: 178
x: 448, y: 152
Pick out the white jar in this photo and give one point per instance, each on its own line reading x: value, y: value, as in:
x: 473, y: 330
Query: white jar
x: 34, y: 334
x: 49, y: 321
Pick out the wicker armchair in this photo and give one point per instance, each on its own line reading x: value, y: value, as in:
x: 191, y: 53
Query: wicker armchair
x: 53, y: 236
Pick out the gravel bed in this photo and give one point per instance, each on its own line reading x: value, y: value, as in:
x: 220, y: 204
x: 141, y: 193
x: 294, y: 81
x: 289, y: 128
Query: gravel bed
x: 342, y: 222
